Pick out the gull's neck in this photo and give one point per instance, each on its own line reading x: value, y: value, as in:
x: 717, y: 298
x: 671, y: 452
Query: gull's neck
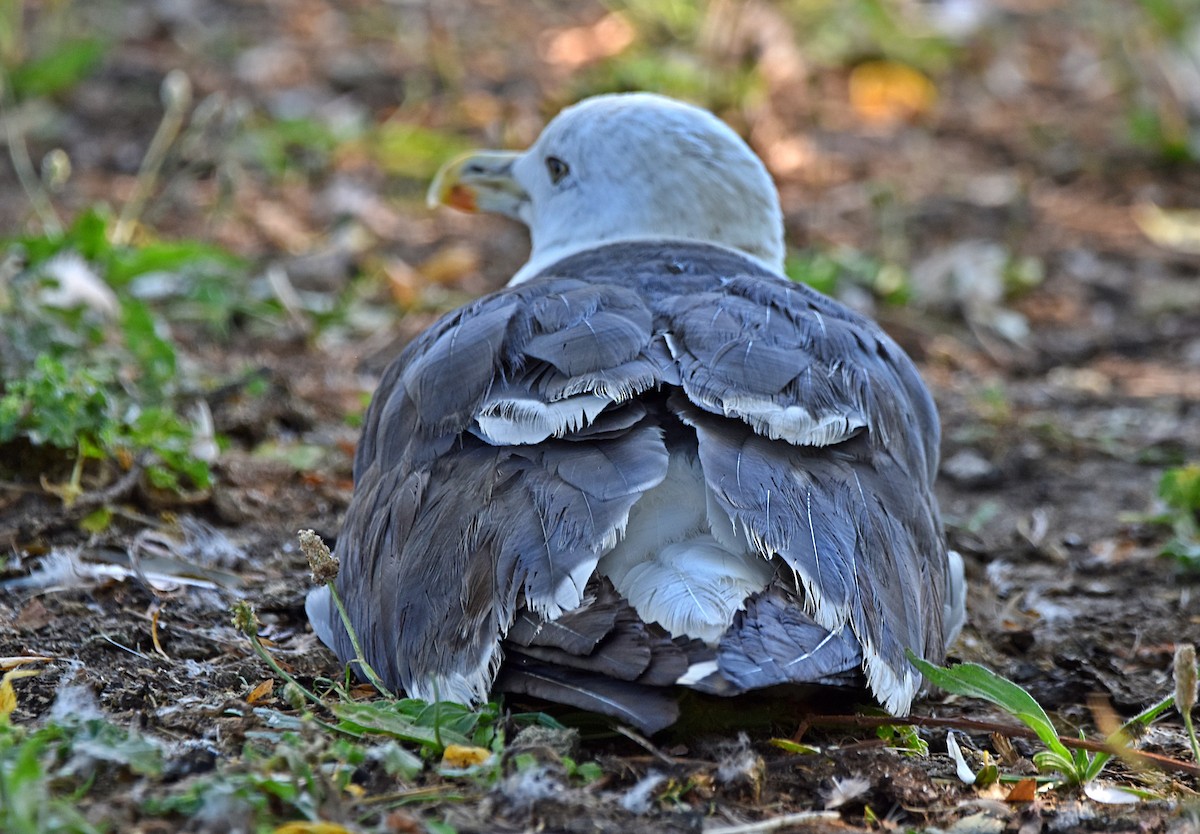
x: 544, y: 258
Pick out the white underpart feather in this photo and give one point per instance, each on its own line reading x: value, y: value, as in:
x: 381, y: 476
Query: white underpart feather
x: 697, y: 672
x: 671, y: 567
x: 694, y: 587
x: 469, y: 687
x: 318, y: 606
x: 794, y: 423
x: 525, y: 421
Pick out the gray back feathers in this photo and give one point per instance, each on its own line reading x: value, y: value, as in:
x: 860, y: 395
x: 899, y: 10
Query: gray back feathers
x: 507, y: 445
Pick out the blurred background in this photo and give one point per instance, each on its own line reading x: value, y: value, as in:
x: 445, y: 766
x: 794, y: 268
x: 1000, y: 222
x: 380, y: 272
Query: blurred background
x: 1010, y: 184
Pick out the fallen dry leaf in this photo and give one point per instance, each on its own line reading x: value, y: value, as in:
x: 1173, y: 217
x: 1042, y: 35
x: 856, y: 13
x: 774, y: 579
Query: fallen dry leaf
x: 1023, y: 791
x: 263, y: 690
x: 886, y: 92
x: 1177, y: 229
x: 460, y: 756
x: 7, y: 663
x: 312, y: 828
x: 282, y: 227
x: 8, y: 696
x: 450, y: 263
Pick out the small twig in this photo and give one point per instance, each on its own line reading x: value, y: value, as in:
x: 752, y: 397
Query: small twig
x: 155, y: 611
x: 413, y: 795
x: 122, y: 646
x: 776, y: 823
x: 17, y: 486
x: 118, y: 489
x: 1154, y: 759
x: 285, y: 293
x: 645, y: 744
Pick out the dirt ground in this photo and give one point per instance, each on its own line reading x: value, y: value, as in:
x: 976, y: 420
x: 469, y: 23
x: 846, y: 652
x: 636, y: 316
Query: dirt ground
x: 1062, y: 404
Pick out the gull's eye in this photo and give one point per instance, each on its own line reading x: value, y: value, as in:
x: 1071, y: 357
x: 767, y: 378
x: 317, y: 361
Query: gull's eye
x: 557, y: 168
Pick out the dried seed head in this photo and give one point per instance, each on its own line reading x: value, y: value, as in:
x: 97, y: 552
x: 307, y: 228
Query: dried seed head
x: 176, y: 90
x: 56, y: 169
x: 1185, y: 678
x: 294, y: 695
x: 321, y: 562
x: 244, y: 618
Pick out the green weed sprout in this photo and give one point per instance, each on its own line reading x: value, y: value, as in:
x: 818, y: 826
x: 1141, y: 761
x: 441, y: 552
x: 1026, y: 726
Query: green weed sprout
x: 1076, y: 767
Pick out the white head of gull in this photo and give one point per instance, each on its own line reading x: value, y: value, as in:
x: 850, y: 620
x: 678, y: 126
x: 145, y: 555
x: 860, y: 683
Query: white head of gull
x: 620, y: 168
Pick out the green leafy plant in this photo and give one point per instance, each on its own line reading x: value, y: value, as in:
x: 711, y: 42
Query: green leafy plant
x: 1179, y: 490
x: 431, y: 726
x: 30, y: 801
x: 904, y: 738
x: 86, y: 358
x: 291, y: 146
x: 286, y: 774
x: 101, y: 390
x: 57, y: 69
x: 44, y: 772
x: 412, y: 151
x: 100, y: 379
x: 827, y: 271
x: 1074, y: 766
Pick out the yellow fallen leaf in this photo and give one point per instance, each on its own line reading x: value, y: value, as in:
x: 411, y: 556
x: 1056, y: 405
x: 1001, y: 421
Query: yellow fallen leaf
x: 8, y: 695
x: 1177, y: 229
x: 312, y: 828
x: 450, y: 263
x: 263, y: 690
x: 21, y: 659
x: 886, y: 92
x: 404, y: 282
x: 460, y: 756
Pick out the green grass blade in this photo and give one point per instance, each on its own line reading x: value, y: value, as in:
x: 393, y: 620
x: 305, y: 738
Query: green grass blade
x: 975, y: 681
